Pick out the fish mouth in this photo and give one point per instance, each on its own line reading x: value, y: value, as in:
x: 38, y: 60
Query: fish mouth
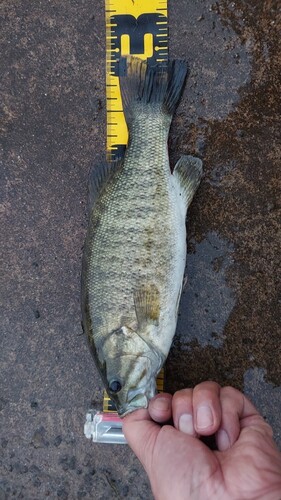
x: 137, y: 399
x: 138, y: 402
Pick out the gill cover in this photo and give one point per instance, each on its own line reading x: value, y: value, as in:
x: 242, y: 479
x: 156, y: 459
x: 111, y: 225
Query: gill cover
x: 131, y: 368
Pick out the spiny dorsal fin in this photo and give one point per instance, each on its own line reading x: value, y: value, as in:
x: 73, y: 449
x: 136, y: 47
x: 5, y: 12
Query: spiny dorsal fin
x: 188, y: 172
x: 147, y: 304
x: 99, y: 176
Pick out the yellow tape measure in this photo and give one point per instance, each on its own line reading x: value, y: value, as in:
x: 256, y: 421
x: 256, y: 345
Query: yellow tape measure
x: 140, y: 28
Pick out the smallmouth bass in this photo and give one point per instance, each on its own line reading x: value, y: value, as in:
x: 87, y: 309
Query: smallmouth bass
x: 135, y: 249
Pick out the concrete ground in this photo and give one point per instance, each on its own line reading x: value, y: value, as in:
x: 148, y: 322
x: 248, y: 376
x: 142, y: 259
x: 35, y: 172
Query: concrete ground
x: 53, y: 90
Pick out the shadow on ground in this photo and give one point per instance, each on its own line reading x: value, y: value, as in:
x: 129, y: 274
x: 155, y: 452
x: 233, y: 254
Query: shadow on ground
x: 54, y: 119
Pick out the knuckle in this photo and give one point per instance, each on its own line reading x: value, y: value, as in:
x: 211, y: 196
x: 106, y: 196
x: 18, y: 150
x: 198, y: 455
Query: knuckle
x: 229, y: 391
x: 182, y: 394
x: 209, y: 386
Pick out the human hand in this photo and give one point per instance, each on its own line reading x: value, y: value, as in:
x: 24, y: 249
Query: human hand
x: 246, y: 465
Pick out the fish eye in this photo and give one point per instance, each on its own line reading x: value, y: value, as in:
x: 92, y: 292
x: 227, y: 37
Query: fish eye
x: 115, y: 386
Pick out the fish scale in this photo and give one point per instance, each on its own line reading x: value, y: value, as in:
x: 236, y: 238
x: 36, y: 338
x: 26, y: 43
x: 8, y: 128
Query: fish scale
x: 135, y: 221
x: 135, y: 249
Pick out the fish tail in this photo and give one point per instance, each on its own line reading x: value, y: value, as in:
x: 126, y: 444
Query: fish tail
x: 158, y: 87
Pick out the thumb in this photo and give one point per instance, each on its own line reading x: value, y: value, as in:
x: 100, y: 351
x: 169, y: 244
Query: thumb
x: 141, y: 433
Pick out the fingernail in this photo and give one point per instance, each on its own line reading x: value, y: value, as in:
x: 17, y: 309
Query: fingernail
x: 161, y: 404
x: 186, y: 424
x: 223, y: 441
x: 204, y: 417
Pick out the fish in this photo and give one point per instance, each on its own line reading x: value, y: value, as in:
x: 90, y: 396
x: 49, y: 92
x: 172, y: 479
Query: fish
x: 135, y: 249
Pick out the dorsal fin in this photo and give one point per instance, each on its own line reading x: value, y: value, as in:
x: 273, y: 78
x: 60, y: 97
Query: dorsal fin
x: 99, y: 176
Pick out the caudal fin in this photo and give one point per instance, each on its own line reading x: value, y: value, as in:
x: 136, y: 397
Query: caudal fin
x: 177, y: 74
x: 157, y: 86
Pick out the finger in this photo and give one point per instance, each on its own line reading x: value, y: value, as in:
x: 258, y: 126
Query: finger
x: 250, y: 416
x: 160, y: 408
x: 237, y: 413
x: 232, y: 407
x: 141, y: 433
x: 206, y: 408
x: 183, y: 411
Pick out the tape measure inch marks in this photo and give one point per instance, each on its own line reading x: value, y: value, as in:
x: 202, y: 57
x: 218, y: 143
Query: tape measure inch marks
x: 140, y: 28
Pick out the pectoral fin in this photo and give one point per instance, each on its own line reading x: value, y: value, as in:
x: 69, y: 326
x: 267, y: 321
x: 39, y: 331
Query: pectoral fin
x: 188, y: 172
x: 147, y: 305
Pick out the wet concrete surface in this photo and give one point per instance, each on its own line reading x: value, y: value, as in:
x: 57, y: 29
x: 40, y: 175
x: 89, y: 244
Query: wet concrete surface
x: 53, y: 131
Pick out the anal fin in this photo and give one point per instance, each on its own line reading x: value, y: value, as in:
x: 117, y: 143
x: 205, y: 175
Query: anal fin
x: 188, y: 172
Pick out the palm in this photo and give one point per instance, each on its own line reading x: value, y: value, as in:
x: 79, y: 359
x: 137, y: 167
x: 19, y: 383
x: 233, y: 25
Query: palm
x: 181, y: 466
x: 245, y: 467
x: 220, y: 474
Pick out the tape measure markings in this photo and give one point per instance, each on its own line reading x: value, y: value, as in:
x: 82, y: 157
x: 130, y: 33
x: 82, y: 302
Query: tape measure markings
x: 139, y: 28
x: 148, y: 41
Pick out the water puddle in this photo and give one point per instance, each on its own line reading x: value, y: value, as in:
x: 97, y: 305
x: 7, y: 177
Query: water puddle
x: 207, y: 300
x: 265, y: 396
x: 214, y: 84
